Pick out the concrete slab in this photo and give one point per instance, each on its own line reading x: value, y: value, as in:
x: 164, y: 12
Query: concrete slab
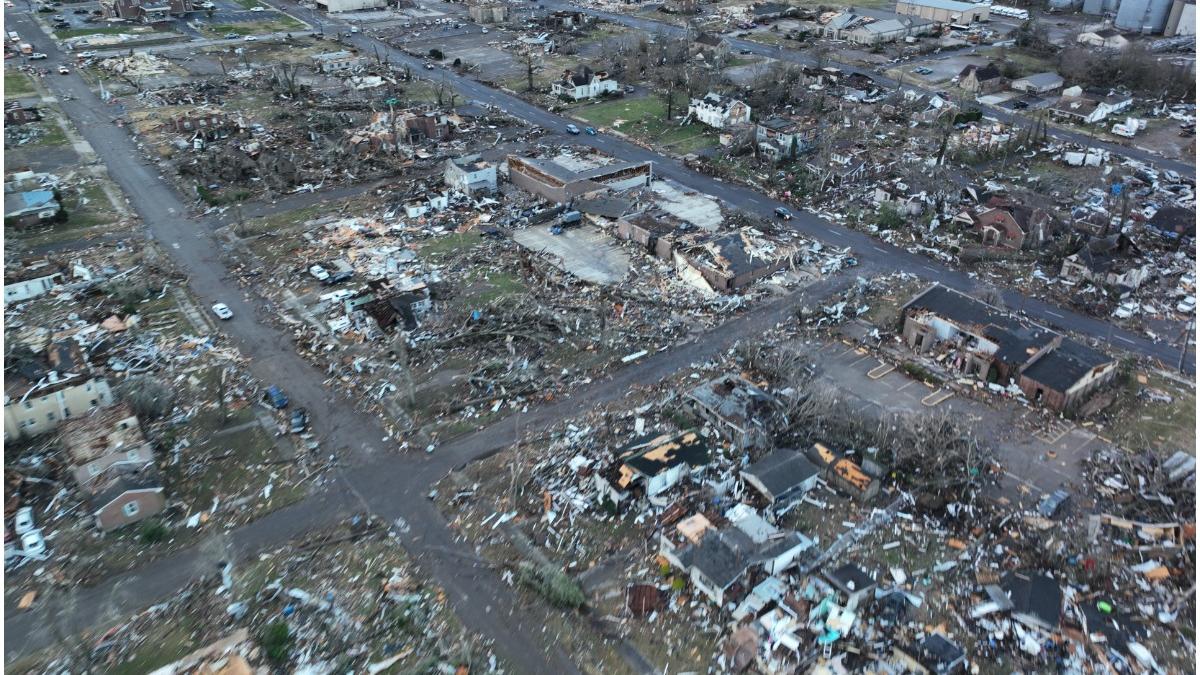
x: 698, y: 209
x: 583, y: 251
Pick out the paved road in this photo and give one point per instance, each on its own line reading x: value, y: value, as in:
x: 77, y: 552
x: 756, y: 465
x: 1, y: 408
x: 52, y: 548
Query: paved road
x: 879, y: 254
x: 375, y: 479
x: 800, y: 58
x: 378, y: 480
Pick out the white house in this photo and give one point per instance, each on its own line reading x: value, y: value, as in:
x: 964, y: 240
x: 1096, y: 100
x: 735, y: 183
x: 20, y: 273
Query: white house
x: 719, y: 111
x: 585, y: 83
x: 19, y: 291
x: 470, y: 175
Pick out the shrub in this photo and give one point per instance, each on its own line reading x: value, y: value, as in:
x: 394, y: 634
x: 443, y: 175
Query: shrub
x: 153, y: 532
x: 276, y: 641
x: 436, y: 53
x: 677, y: 584
x: 552, y: 584
x: 888, y: 218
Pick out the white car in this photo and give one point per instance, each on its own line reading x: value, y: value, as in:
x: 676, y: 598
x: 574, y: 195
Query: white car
x: 485, y: 29
x: 258, y: 9
x: 222, y: 311
x: 23, y: 522
x: 1187, y: 305
x: 319, y: 273
x: 250, y: 38
x: 63, y: 70
x: 33, y: 544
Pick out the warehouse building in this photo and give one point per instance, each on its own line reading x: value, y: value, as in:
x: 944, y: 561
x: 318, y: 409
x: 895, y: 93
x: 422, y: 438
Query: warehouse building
x: 943, y: 11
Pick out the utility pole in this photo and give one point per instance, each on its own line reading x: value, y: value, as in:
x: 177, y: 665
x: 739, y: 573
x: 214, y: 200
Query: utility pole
x: 1183, y: 344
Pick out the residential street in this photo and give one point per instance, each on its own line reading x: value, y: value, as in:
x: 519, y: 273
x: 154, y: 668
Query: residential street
x: 372, y: 476
x: 800, y: 58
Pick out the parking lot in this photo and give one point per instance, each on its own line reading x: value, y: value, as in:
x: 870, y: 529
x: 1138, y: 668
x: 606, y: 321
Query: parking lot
x: 1038, y: 457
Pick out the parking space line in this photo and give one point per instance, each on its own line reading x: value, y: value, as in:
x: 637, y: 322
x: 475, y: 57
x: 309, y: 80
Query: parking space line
x: 906, y: 385
x: 1053, y: 313
x: 937, y: 397
x: 880, y: 370
x: 855, y: 361
x: 1126, y: 340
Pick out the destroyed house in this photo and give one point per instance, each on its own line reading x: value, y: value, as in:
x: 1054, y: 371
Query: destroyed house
x: 982, y: 341
x: 206, y: 125
x: 933, y: 655
x: 734, y: 260
x: 783, y: 138
x: 16, y: 114
x: 1036, y: 599
x: 851, y: 581
x: 719, y: 111
x: 656, y: 230
x: 104, y: 443
x: 399, y: 311
x: 1007, y: 225
x: 31, y: 282
x: 718, y: 560
x: 330, y: 62
x: 782, y: 477
x: 843, y: 473
x: 1174, y: 222
x: 656, y: 462
x: 37, y: 398
x: 559, y: 182
x: 981, y: 79
x: 736, y: 407
x: 1109, y: 261
x: 584, y: 83
x: 1089, y: 107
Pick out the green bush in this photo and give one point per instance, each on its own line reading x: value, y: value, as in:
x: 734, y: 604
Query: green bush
x: 677, y: 584
x: 920, y: 372
x: 552, y: 584
x: 153, y: 531
x: 276, y: 640
x: 888, y: 218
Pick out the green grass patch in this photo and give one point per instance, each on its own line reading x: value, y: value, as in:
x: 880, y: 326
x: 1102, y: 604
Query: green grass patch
x: 17, y: 85
x: 1138, y: 422
x: 450, y: 244
x: 277, y: 23
x: 168, y: 642
x: 82, y: 32
x: 644, y: 118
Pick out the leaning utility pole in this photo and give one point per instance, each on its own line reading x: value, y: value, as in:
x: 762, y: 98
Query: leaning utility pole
x: 1183, y: 344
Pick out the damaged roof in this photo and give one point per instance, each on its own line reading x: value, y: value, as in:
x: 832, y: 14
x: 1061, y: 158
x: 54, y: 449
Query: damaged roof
x: 655, y: 453
x: 782, y: 471
x: 1035, y: 596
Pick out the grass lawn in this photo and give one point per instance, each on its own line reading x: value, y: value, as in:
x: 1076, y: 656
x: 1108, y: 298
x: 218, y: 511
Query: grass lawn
x: 17, y: 85
x: 275, y: 24
x: 1140, y: 423
x: 1030, y: 64
x: 80, y: 32
x: 450, y: 244
x: 643, y: 118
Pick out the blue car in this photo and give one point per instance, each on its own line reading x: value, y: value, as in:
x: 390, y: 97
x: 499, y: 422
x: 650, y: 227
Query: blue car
x: 275, y: 396
x: 590, y: 131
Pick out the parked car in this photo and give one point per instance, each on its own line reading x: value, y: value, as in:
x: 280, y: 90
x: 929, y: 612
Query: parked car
x: 63, y: 70
x: 572, y: 129
x: 1052, y: 502
x: 86, y: 55
x: 80, y: 11
x: 781, y: 212
x: 23, y: 522
x: 222, y: 311
x: 1187, y: 305
x: 590, y: 131
x: 258, y: 9
x: 36, y: 56
x: 319, y: 273
x: 485, y: 30
x: 428, y: 66
x: 59, y: 17
x: 339, y: 277
x: 231, y: 36
x: 275, y: 396
x: 250, y: 38
x: 34, y: 544
x: 299, y: 420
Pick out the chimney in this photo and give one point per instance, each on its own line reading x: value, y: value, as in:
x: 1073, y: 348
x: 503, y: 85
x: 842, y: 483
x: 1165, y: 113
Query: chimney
x: 53, y: 376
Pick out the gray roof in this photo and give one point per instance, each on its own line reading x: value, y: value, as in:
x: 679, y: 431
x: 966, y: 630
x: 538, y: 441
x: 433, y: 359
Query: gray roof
x: 781, y: 471
x: 722, y: 556
x: 1049, y: 79
x: 950, y: 5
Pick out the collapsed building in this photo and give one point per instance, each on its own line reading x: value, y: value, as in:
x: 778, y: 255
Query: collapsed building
x: 565, y: 177
x: 981, y: 341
